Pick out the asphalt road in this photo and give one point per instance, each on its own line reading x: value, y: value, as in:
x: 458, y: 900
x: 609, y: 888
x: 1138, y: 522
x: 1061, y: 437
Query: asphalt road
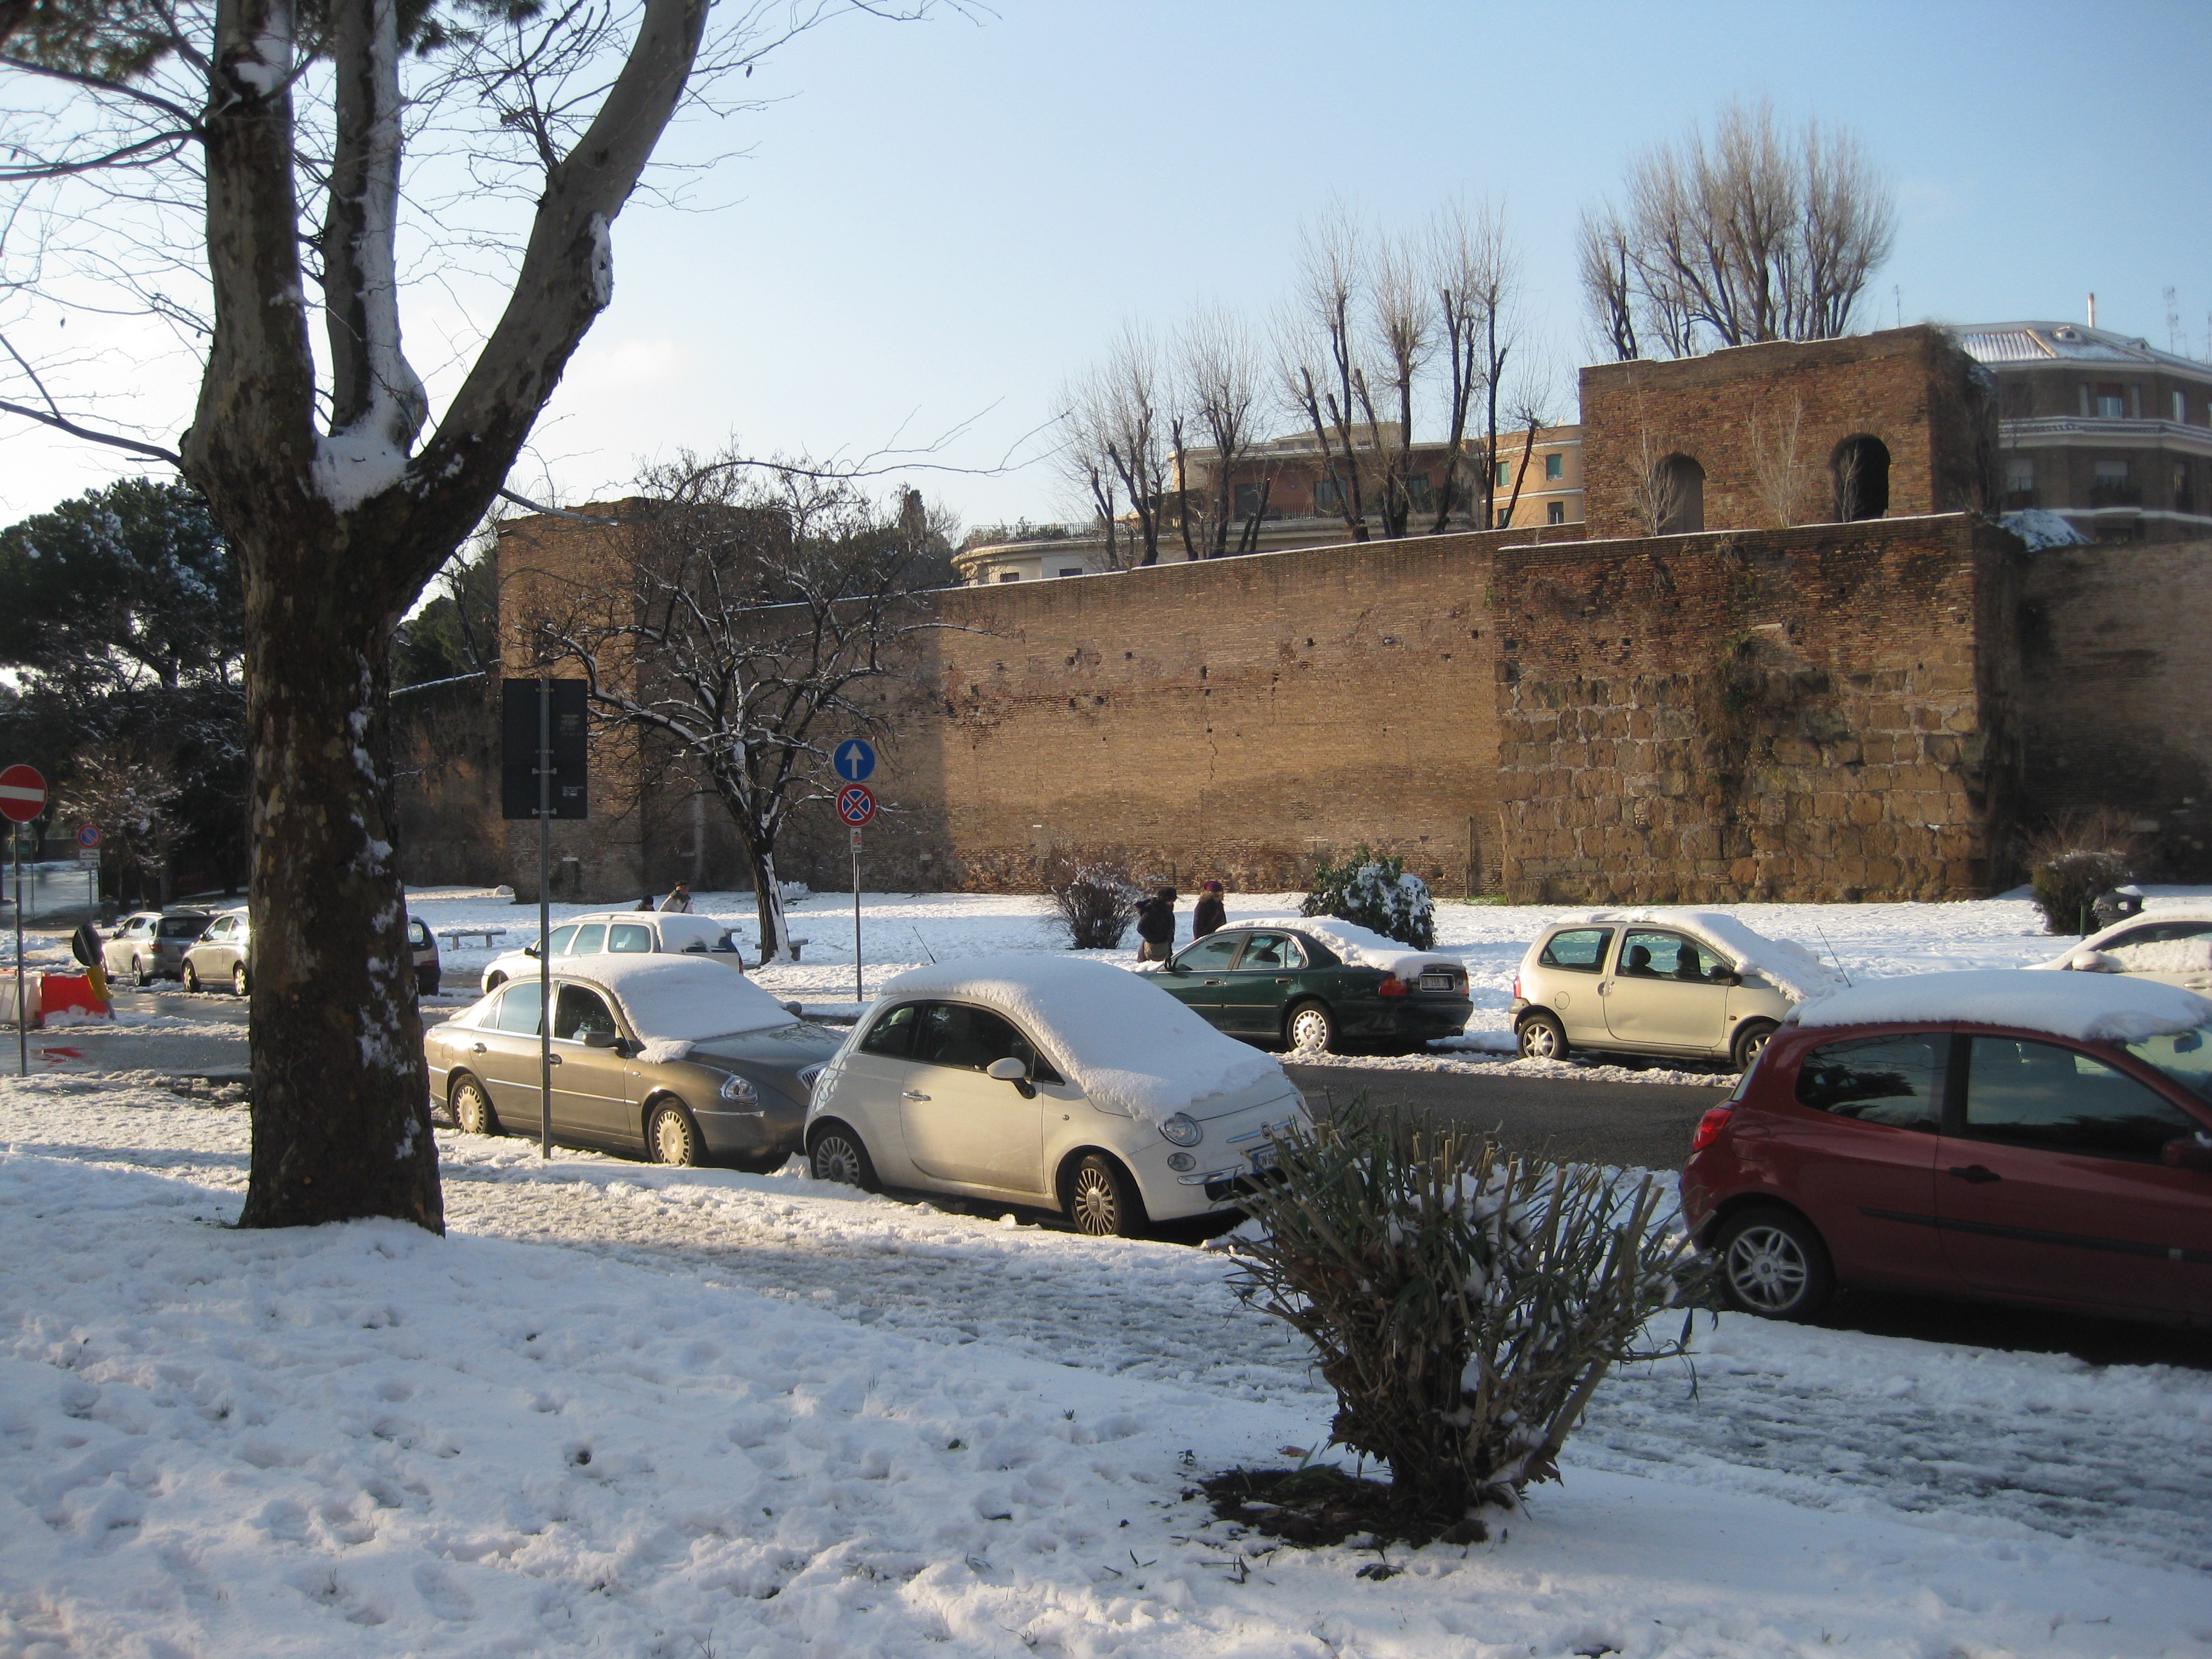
x: 1645, y: 1125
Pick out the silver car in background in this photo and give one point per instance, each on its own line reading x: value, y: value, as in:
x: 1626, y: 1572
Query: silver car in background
x: 150, y: 945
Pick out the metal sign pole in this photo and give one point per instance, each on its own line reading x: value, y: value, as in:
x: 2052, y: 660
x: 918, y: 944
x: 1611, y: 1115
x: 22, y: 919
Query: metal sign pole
x: 22, y: 1011
x: 544, y: 916
x: 859, y: 995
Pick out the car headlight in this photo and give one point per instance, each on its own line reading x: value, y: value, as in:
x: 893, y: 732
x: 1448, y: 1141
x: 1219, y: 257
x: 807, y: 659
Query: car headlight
x: 738, y: 1089
x: 807, y: 1074
x: 1182, y: 1130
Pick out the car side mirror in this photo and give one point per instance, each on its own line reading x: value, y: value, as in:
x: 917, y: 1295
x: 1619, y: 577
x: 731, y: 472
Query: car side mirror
x: 2192, y: 1152
x: 1173, y: 968
x: 2093, y: 961
x: 1007, y: 1069
x: 602, y: 1040
x: 530, y: 950
x: 1728, y: 979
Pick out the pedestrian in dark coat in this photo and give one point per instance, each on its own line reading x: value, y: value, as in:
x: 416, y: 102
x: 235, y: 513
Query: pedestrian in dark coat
x: 1155, y: 925
x: 1209, y: 916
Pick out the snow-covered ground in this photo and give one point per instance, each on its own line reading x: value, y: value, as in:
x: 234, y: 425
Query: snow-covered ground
x: 628, y: 1410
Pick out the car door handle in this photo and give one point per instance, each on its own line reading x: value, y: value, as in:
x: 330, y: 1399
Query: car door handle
x: 552, y: 1060
x: 1978, y: 1174
x: 475, y: 1048
x: 914, y: 1094
x: 1217, y: 982
x: 1282, y: 981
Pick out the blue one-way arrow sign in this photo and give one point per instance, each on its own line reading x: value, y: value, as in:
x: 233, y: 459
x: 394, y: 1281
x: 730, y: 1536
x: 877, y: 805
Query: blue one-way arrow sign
x: 853, y: 760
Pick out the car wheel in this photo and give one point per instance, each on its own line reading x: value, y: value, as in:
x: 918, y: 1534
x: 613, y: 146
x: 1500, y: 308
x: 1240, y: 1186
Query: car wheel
x: 191, y: 979
x: 672, y: 1137
x: 837, y: 1155
x: 472, y: 1108
x: 1773, y: 1264
x: 1312, y: 1027
x: 1750, y: 1042
x: 426, y: 985
x: 1102, y: 1200
x: 1542, y: 1037
x: 141, y: 974
x: 238, y: 984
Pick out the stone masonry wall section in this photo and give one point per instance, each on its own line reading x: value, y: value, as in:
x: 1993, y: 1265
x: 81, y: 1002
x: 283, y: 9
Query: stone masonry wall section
x: 2115, y: 644
x: 1823, y: 713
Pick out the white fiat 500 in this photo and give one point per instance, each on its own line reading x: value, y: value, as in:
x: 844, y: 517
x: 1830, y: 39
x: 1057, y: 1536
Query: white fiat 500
x: 1048, y: 1082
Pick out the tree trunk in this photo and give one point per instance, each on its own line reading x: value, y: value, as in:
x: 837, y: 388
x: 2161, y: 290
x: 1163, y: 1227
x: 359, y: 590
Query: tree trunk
x: 767, y: 904
x: 341, y: 1095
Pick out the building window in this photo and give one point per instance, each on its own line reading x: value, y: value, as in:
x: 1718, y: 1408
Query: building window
x: 2112, y: 484
x: 1555, y: 513
x: 1860, y: 468
x: 2181, y: 408
x: 1504, y: 480
x: 1070, y: 570
x: 1329, y: 497
x: 1678, y: 496
x: 1417, y: 489
x: 2184, y: 499
x: 1250, y: 501
x: 1010, y: 575
x: 2111, y: 403
x: 2020, y: 482
x: 1555, y: 466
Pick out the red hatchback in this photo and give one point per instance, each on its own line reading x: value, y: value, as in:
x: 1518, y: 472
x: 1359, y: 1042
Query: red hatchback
x: 2015, y: 1136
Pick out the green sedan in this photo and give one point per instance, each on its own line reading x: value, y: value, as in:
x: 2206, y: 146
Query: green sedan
x: 1282, y: 984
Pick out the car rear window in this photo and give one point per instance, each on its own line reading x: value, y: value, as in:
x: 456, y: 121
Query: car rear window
x: 1894, y: 1080
x: 628, y: 936
x: 182, y: 927
x: 1578, y: 950
x: 418, y: 935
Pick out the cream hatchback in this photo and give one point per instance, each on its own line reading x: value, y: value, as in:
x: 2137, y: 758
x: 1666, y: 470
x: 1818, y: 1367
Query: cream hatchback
x: 1049, y: 1083
x: 1689, y: 982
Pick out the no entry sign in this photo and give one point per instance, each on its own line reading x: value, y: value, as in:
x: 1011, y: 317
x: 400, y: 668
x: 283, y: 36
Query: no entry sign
x: 22, y: 793
x: 856, y: 804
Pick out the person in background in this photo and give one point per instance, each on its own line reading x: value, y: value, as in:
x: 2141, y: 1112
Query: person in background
x: 644, y: 903
x: 679, y: 899
x: 1209, y: 916
x: 1155, y: 925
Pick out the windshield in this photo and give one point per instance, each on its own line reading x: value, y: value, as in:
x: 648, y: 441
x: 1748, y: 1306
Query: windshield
x: 2186, y: 1057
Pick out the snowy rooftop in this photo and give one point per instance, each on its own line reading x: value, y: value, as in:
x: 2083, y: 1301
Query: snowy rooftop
x: 2087, y: 1007
x: 2060, y: 342
x: 1359, y: 947
x: 1126, y: 1043
x: 677, y: 1000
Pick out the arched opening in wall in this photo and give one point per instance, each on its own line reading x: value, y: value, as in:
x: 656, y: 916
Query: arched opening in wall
x: 1678, y: 496
x: 1861, y: 469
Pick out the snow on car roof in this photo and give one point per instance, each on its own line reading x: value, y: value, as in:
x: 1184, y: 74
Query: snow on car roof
x: 674, y: 1001
x: 1126, y: 1043
x: 1793, y: 968
x: 2087, y: 1007
x: 1360, y: 947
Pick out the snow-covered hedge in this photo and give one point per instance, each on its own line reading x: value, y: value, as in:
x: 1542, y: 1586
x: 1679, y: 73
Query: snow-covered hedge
x: 1372, y: 891
x: 1464, y: 1304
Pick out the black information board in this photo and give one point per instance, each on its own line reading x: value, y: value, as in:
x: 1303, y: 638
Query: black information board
x: 518, y: 769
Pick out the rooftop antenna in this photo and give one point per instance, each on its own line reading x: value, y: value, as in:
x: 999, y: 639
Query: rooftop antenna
x: 1833, y: 957
x: 2176, y: 341
x: 2092, y: 307
x: 1897, y: 298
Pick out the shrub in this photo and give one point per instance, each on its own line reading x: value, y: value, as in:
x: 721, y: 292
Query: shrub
x: 2080, y: 856
x: 1373, y: 891
x: 1464, y: 1303
x: 1094, y: 900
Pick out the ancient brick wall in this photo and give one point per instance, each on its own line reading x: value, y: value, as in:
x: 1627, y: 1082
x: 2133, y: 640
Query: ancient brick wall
x: 1238, y: 719
x: 1824, y: 713
x: 1765, y: 421
x: 2116, y: 647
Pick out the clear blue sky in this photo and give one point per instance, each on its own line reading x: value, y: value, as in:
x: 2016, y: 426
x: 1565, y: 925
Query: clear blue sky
x: 937, y: 221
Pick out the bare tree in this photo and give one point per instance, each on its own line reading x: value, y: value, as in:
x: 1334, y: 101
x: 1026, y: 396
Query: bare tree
x: 1083, y: 462
x: 1118, y: 420
x: 1318, y: 364
x: 1219, y: 370
x: 254, y: 148
x: 1779, y: 470
x: 755, y: 603
x: 1402, y: 320
x: 1756, y: 234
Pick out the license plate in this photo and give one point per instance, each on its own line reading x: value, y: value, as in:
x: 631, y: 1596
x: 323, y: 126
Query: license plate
x: 1435, y: 981
x: 1263, y: 1158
